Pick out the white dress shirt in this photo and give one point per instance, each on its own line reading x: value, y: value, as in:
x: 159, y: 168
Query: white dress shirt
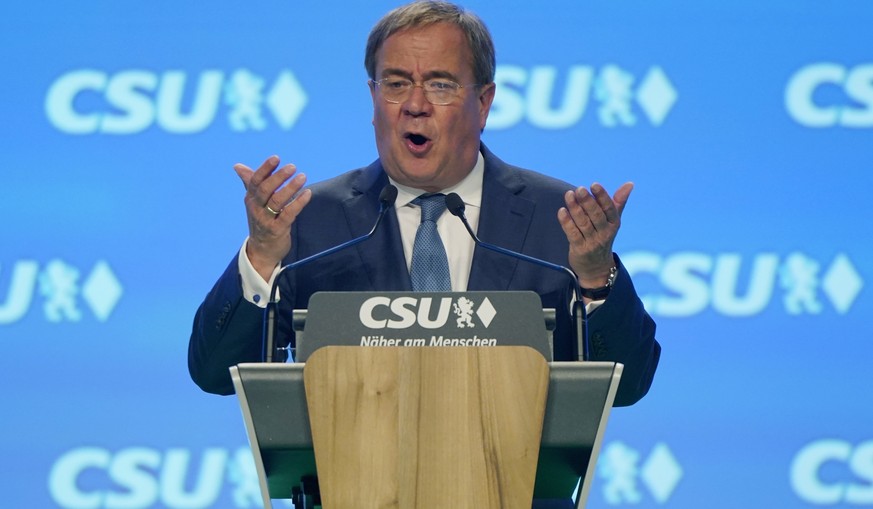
x: 457, y: 241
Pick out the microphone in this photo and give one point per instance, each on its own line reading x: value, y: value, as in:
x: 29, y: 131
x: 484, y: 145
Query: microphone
x: 386, y: 201
x: 580, y: 318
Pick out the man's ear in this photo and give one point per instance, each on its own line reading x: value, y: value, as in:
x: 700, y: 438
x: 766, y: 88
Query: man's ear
x: 373, y: 97
x: 486, y: 97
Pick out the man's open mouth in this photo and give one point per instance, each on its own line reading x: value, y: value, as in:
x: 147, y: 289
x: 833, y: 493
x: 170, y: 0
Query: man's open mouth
x: 416, y: 139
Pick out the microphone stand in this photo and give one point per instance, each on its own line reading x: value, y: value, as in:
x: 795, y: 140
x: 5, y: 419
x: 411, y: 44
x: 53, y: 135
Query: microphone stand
x: 580, y: 316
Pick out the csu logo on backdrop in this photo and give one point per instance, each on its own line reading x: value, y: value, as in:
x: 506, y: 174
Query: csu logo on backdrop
x: 831, y: 94
x: 404, y: 312
x: 736, y: 286
x: 88, y: 101
x: 60, y: 285
x: 140, y: 477
x: 552, y: 98
x: 832, y: 472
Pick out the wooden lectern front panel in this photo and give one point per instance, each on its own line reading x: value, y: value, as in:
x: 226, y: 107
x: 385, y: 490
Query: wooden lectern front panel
x: 426, y: 427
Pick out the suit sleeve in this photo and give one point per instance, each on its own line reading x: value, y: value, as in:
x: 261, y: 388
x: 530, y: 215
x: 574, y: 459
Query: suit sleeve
x: 622, y: 331
x: 227, y: 331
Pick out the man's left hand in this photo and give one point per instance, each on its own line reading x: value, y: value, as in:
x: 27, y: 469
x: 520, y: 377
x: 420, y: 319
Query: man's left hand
x: 591, y: 221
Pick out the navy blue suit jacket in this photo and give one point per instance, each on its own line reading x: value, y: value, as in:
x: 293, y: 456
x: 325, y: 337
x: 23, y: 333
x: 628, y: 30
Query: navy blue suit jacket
x: 519, y: 212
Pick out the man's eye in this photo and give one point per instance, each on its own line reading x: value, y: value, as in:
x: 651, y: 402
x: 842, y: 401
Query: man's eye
x: 441, y: 86
x: 397, y: 84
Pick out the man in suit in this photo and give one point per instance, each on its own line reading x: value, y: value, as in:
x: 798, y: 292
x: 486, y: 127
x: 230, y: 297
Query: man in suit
x: 431, y: 68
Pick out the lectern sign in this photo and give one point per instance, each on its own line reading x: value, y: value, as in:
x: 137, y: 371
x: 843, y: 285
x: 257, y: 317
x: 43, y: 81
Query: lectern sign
x: 424, y: 319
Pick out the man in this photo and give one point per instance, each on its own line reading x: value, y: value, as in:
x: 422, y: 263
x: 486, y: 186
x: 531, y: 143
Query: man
x: 431, y: 68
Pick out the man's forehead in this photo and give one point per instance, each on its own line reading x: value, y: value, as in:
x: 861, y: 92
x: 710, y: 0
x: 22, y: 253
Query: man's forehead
x: 442, y: 48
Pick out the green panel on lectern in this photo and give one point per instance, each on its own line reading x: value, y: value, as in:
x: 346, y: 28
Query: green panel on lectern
x: 559, y: 471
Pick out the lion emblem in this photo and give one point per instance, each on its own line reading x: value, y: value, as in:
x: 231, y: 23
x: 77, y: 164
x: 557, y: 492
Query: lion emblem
x: 464, y: 309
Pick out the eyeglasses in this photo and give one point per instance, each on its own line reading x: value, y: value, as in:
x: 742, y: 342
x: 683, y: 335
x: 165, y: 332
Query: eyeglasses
x: 439, y: 92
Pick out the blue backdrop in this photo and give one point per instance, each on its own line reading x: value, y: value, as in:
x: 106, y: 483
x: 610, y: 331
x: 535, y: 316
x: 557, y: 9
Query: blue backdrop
x: 746, y: 126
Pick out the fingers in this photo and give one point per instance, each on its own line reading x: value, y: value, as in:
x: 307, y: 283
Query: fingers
x: 281, y: 197
x: 290, y: 211
x: 605, y: 204
x: 271, y: 187
x: 622, y: 195
x: 596, y: 210
x: 587, y: 210
x: 244, y: 173
x: 265, y: 170
x: 574, y: 235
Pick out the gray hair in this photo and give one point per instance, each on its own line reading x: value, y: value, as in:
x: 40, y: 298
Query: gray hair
x: 425, y: 13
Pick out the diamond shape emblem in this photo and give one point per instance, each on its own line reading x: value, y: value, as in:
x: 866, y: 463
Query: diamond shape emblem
x: 486, y: 312
x: 287, y: 99
x: 102, y: 290
x: 661, y: 473
x: 842, y: 283
x: 656, y: 95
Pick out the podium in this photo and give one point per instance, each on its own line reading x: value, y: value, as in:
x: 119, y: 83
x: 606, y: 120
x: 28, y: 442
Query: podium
x: 425, y: 426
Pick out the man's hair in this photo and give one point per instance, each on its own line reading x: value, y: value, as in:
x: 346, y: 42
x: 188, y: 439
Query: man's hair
x: 425, y: 13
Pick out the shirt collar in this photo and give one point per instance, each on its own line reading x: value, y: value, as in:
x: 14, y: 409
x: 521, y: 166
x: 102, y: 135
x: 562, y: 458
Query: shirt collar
x: 469, y: 189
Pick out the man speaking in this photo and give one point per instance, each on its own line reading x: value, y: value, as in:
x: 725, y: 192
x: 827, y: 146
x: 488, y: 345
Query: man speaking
x: 431, y: 68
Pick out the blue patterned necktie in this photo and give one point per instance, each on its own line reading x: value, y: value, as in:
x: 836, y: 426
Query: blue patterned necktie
x: 430, y: 267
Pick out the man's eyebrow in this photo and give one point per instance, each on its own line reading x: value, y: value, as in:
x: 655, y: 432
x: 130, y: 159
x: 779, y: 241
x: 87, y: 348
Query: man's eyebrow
x: 427, y: 76
x: 440, y: 74
x: 396, y: 72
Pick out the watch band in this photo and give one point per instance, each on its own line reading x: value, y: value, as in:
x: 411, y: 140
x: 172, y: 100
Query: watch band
x: 602, y: 292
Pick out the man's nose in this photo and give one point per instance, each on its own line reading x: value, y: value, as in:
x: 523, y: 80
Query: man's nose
x: 417, y: 104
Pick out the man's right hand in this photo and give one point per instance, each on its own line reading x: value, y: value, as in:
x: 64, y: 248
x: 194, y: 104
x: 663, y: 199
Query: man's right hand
x: 273, y: 200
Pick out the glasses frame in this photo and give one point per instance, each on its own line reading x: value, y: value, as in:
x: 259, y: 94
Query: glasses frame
x: 378, y: 84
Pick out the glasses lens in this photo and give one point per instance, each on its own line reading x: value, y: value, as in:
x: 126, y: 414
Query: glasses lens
x: 395, y: 89
x: 439, y: 92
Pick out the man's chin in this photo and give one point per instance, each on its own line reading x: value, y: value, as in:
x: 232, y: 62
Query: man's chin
x: 424, y: 180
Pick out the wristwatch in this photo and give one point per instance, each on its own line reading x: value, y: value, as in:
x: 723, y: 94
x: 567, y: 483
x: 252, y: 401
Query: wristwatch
x: 603, y: 291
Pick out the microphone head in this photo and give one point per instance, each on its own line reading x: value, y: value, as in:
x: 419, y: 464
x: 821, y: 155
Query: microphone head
x: 455, y: 204
x: 388, y: 195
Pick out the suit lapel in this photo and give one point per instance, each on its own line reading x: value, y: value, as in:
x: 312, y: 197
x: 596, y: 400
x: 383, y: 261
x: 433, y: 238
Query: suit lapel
x: 382, y: 255
x: 504, y: 220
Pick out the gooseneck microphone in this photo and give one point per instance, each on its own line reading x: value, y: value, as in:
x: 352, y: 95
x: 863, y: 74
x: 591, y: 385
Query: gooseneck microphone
x: 386, y: 201
x: 580, y: 318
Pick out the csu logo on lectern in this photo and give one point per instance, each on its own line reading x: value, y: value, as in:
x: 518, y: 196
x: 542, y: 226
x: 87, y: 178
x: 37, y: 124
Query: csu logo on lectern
x: 404, y: 312
x: 89, y: 101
